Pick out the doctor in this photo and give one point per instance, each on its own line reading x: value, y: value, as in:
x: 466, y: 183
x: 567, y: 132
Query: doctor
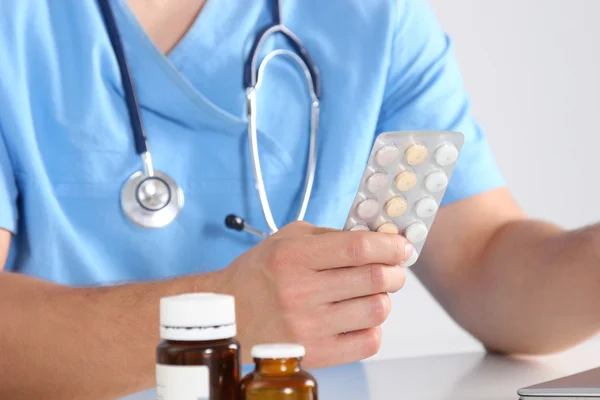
x: 84, y: 265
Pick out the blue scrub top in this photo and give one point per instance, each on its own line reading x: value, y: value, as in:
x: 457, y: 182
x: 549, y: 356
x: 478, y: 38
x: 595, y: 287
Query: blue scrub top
x: 66, y: 146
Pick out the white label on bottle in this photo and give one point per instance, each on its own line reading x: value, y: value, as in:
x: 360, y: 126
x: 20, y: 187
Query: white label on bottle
x: 178, y: 382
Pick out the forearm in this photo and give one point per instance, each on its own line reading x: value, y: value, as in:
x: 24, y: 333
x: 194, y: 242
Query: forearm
x: 535, y: 288
x: 93, y: 343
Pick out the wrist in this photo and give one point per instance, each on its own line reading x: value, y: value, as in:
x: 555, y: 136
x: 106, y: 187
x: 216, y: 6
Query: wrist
x: 214, y: 282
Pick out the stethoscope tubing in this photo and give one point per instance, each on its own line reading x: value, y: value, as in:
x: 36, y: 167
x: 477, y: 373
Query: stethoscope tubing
x: 253, y: 76
x: 133, y: 108
x: 252, y: 134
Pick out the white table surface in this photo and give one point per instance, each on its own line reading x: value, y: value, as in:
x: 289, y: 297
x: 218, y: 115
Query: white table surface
x: 476, y: 375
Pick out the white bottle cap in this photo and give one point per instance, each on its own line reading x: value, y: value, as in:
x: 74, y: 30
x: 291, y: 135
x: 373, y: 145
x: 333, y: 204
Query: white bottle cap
x: 197, y: 316
x: 277, y: 351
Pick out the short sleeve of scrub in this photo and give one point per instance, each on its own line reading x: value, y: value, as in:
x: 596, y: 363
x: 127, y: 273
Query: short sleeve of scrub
x: 8, y: 190
x: 425, y: 91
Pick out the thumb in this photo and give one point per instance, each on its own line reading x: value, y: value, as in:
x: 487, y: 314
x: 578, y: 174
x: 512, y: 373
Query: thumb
x: 302, y: 228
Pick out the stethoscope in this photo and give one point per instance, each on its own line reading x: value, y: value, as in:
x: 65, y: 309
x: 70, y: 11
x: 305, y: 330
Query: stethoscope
x: 151, y: 198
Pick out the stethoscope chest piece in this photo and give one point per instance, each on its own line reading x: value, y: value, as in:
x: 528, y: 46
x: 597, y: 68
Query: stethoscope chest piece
x: 151, y: 201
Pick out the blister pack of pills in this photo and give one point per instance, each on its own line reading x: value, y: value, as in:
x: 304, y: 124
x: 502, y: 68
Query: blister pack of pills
x: 404, y: 183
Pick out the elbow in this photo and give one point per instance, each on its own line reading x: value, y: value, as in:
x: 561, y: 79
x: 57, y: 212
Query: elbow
x: 528, y: 346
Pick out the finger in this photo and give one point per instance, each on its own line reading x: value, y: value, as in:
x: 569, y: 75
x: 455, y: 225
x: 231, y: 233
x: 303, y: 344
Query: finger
x: 352, y: 282
x: 343, y: 349
x: 357, y: 314
x: 350, y: 249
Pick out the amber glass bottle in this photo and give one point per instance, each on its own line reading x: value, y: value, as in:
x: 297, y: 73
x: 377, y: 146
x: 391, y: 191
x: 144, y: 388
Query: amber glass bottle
x: 278, y: 375
x: 198, y: 358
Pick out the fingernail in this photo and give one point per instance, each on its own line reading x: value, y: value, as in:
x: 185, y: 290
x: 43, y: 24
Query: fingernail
x: 408, y: 249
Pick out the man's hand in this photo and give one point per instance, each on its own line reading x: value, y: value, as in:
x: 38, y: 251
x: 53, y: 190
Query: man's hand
x: 304, y: 284
x: 309, y: 285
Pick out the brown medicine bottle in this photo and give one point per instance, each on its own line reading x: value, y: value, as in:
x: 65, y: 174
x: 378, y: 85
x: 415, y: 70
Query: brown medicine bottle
x: 198, y: 358
x: 278, y: 375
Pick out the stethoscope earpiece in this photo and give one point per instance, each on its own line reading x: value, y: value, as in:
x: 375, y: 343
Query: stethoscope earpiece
x: 236, y: 223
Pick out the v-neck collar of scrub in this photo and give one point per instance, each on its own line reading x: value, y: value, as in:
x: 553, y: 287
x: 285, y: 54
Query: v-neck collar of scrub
x: 173, y: 97
x: 207, y: 31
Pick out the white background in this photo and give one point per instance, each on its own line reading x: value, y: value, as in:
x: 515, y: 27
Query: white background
x: 532, y: 68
